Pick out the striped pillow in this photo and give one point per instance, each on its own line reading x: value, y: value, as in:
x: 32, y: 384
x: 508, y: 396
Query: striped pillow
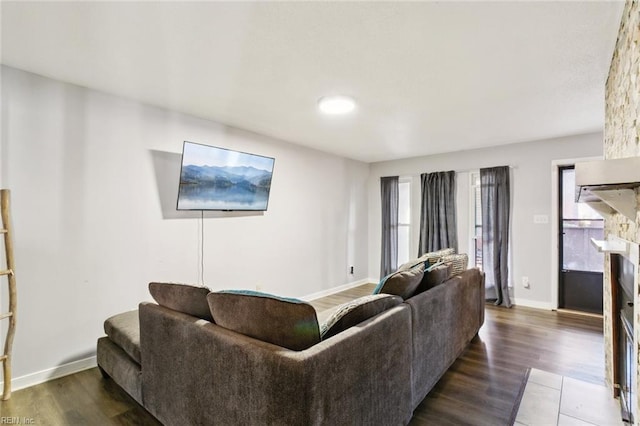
x: 354, y: 312
x: 427, y: 257
x: 458, y: 263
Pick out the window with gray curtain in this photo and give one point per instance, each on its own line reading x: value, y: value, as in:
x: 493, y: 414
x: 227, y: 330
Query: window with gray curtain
x: 438, y: 212
x: 389, y: 250
x: 495, y: 195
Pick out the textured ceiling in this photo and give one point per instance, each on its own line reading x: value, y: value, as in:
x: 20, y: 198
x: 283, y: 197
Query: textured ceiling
x: 428, y: 77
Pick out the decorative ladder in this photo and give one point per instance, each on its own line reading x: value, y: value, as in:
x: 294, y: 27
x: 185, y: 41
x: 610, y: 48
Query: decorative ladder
x: 5, y: 229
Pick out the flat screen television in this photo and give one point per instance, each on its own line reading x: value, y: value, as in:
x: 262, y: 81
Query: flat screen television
x: 213, y: 178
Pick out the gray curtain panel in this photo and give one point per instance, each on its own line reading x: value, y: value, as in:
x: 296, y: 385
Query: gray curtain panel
x: 495, y: 200
x: 438, y: 212
x: 389, y: 192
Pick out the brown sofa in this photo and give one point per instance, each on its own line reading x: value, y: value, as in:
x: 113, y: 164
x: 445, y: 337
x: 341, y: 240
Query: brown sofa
x: 188, y: 370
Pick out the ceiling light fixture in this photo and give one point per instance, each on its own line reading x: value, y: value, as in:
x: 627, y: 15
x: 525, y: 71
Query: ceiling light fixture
x: 335, y: 105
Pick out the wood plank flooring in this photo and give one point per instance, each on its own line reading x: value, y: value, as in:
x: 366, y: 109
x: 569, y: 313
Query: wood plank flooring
x: 336, y: 299
x: 480, y: 388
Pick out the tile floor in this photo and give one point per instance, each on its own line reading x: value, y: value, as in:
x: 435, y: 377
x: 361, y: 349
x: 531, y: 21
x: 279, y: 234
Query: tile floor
x: 550, y: 399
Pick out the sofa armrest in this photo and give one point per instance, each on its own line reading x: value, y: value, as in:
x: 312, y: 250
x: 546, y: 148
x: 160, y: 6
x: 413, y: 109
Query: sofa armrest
x: 195, y: 372
x: 444, y: 319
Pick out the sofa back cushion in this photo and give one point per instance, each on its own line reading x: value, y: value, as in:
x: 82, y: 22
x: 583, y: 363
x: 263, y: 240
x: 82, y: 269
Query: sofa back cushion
x: 290, y: 323
x: 354, y: 312
x: 183, y: 298
x: 401, y: 283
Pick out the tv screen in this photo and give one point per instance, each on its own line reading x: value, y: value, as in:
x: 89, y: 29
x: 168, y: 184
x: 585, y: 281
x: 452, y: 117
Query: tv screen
x: 214, y: 178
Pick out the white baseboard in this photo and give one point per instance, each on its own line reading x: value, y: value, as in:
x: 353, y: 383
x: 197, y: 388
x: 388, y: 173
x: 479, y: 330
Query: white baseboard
x: 338, y: 289
x: 532, y: 304
x: 52, y: 373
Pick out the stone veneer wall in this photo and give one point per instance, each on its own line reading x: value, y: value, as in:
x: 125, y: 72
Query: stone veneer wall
x: 621, y: 140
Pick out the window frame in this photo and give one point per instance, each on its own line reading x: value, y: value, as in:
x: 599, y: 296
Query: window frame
x: 405, y: 180
x: 475, y: 208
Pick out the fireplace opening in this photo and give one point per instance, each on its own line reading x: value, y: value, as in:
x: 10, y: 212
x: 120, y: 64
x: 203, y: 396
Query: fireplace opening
x: 623, y: 275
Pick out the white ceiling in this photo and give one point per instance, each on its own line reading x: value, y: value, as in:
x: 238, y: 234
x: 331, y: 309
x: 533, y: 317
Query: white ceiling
x: 428, y: 77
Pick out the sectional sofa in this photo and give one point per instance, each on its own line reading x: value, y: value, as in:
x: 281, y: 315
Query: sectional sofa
x: 187, y: 364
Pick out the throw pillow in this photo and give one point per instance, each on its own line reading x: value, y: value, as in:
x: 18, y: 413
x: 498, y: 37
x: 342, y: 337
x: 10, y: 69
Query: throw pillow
x: 435, y: 255
x: 458, y: 263
x: 290, y: 323
x: 435, y: 274
x: 184, y: 298
x: 401, y: 283
x: 354, y: 312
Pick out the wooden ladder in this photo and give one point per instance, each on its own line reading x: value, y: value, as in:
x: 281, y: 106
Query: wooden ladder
x: 5, y: 229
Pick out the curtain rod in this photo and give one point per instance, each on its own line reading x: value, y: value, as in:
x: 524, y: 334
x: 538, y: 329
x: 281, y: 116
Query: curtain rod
x: 478, y: 169
x: 406, y: 175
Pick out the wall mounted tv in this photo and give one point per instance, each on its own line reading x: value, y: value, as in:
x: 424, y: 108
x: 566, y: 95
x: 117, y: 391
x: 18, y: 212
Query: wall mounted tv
x: 213, y: 178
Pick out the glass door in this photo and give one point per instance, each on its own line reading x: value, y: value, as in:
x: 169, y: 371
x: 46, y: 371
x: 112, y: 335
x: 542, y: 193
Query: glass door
x: 580, y: 280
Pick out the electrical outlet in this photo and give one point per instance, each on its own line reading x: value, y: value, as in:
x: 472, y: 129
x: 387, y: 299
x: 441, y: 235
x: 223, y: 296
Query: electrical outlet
x: 525, y: 282
x: 351, y: 270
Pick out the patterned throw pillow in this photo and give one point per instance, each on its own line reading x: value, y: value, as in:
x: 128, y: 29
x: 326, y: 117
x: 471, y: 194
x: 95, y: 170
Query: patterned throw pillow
x: 427, y: 257
x: 458, y: 263
x: 402, y: 283
x: 354, y: 312
x: 290, y: 323
x: 183, y: 298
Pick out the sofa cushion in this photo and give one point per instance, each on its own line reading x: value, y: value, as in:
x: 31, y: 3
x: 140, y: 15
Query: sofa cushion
x: 434, y: 275
x: 433, y: 255
x: 118, y: 365
x: 124, y: 330
x: 458, y: 263
x: 183, y: 298
x: 290, y: 323
x: 401, y: 283
x: 354, y: 312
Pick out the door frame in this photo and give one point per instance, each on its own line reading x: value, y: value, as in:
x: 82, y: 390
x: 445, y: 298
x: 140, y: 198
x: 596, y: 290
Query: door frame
x: 560, y: 248
x: 555, y: 222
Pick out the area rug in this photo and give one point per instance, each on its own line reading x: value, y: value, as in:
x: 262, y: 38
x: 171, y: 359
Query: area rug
x: 516, y: 406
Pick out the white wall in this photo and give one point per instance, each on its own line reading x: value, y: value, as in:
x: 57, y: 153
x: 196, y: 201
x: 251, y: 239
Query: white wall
x: 93, y: 180
x: 531, y: 194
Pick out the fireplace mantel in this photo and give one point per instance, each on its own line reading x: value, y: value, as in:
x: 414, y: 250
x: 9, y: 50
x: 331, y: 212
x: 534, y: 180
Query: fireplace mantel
x: 613, y: 245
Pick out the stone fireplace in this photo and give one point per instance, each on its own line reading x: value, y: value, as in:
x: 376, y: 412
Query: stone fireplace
x: 624, y: 266
x: 622, y: 140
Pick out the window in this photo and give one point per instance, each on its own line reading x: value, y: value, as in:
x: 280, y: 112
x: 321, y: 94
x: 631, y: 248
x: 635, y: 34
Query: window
x: 476, y: 219
x: 580, y: 223
x: 404, y: 221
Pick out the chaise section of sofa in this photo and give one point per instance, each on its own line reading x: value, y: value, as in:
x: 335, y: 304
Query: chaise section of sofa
x: 118, y: 354
x: 196, y: 372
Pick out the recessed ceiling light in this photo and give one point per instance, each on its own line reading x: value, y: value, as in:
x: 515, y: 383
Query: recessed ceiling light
x: 336, y: 104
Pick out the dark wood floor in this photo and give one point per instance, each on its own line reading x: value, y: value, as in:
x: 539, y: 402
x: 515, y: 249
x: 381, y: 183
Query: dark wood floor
x: 483, y: 385
x: 480, y: 388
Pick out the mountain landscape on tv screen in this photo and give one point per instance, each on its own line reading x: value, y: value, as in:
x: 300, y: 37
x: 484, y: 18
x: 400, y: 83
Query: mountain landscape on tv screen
x: 223, y: 188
